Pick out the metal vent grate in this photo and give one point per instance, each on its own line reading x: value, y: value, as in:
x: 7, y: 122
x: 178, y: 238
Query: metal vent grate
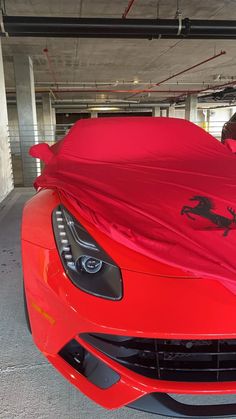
x: 174, y: 360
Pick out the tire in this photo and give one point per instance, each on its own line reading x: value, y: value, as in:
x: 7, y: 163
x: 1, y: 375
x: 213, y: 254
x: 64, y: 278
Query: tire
x: 26, y: 311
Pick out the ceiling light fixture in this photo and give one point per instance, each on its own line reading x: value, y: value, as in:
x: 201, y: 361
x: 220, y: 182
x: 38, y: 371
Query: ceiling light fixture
x: 104, y: 108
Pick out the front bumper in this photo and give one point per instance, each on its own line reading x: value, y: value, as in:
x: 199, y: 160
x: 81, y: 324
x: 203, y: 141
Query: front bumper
x: 152, y: 307
x: 59, y: 312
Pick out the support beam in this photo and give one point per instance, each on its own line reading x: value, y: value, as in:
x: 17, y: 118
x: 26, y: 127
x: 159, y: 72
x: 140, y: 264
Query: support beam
x: 94, y: 115
x: 156, y: 111
x: 6, y: 184
x: 191, y: 108
x: 27, y: 119
x: 48, y: 118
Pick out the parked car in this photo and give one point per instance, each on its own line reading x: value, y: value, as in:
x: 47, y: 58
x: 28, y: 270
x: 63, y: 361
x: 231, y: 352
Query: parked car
x: 229, y: 129
x: 128, y: 254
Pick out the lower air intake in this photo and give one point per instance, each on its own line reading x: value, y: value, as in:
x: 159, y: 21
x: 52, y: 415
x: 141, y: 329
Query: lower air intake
x: 169, y: 359
x: 88, y: 365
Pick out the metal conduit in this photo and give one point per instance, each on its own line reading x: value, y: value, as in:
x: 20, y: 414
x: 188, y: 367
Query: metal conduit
x: 116, y: 28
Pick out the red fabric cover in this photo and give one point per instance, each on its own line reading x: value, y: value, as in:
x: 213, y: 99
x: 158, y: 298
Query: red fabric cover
x: 132, y: 177
x: 43, y: 150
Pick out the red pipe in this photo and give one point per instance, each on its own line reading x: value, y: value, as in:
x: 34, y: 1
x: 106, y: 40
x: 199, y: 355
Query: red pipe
x: 122, y: 91
x: 45, y: 50
x: 59, y: 90
x: 185, y: 70
x: 117, y: 91
x: 130, y: 4
x: 191, y: 68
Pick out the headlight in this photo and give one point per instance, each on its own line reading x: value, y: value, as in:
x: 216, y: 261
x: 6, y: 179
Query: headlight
x: 85, y: 262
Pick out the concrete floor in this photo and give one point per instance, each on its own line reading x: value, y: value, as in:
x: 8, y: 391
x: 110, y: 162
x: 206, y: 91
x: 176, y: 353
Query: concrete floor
x: 30, y: 387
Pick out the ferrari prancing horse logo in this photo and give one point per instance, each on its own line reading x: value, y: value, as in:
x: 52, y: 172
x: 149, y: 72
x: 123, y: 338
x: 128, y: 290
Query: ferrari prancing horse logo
x: 204, y: 209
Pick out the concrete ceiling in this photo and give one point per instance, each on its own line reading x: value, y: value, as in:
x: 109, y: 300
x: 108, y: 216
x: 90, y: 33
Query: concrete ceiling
x: 120, y: 64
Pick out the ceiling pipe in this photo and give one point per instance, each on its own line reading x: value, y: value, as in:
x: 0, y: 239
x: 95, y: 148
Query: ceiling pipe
x: 53, y: 93
x: 121, y: 91
x: 207, y: 89
x: 219, y: 86
x: 84, y: 85
x: 137, y: 91
x: 213, y: 57
x: 120, y: 105
x: 127, y: 10
x: 45, y: 51
x: 77, y: 104
x: 39, y: 26
x: 97, y: 101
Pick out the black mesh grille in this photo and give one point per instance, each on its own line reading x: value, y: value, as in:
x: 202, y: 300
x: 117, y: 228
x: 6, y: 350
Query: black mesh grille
x: 174, y: 360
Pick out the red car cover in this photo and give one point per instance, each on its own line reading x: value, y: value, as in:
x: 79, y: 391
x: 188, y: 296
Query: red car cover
x: 161, y: 186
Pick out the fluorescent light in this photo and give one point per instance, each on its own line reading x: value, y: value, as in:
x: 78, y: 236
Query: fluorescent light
x: 104, y: 108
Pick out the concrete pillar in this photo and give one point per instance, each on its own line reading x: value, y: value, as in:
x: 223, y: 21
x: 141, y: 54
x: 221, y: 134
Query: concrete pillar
x: 6, y: 183
x: 54, y: 123
x: 231, y: 112
x: 94, y: 115
x: 164, y: 112
x: 54, y: 119
x: 156, y: 111
x: 48, y: 121
x: 191, y: 108
x: 27, y: 119
x: 171, y: 112
x: 208, y: 120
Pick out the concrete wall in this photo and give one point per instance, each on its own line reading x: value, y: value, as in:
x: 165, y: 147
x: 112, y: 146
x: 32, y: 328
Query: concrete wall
x: 6, y: 184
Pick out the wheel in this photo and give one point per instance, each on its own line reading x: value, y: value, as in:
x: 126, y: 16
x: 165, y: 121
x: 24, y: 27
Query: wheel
x: 26, y: 311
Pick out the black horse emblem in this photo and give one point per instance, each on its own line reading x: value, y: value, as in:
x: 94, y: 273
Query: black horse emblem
x: 204, y: 209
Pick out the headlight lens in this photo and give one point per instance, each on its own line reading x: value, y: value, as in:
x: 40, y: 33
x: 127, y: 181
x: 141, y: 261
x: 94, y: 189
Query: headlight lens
x: 85, y: 262
x: 90, y: 265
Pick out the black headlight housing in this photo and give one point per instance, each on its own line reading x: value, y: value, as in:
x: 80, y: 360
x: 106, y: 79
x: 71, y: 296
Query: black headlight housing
x: 84, y: 261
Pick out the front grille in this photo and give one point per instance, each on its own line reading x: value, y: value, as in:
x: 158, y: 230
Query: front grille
x: 170, y: 359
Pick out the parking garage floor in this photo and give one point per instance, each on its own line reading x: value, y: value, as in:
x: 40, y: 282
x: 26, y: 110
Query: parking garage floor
x: 30, y: 387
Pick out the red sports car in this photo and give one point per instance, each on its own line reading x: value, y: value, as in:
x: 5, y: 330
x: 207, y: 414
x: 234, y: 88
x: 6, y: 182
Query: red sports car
x: 129, y: 268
